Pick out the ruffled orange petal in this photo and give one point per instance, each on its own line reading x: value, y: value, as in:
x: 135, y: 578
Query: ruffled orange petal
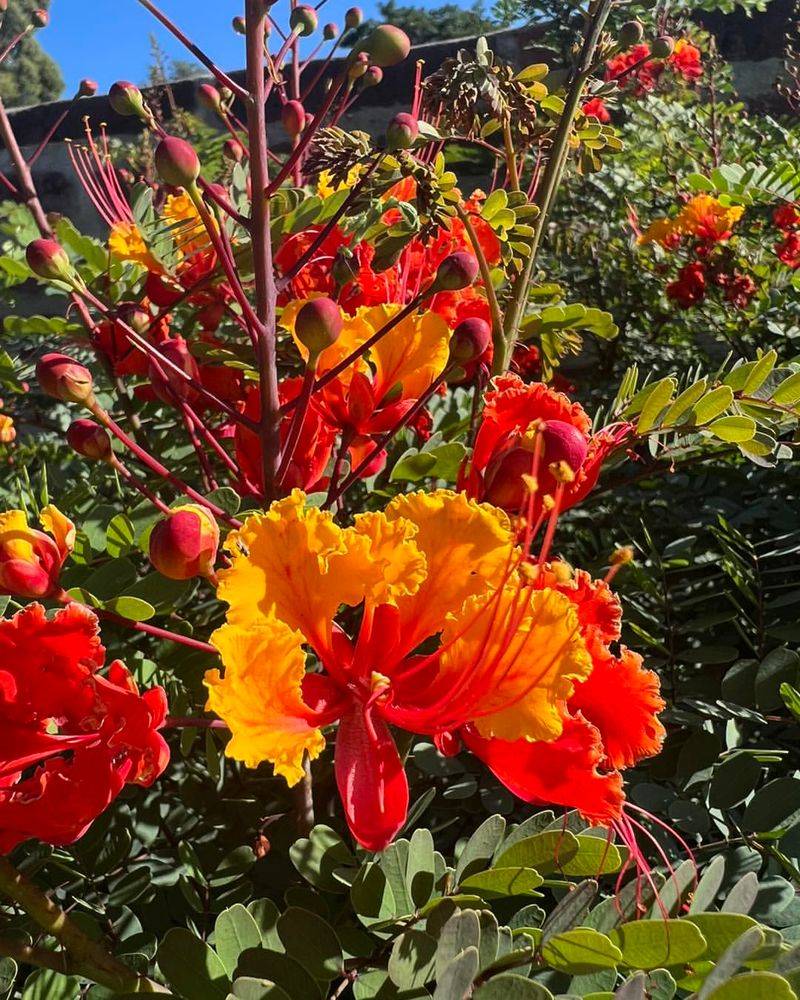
x: 622, y: 700
x: 260, y: 698
x: 467, y: 547
x: 397, y: 567
x: 294, y: 562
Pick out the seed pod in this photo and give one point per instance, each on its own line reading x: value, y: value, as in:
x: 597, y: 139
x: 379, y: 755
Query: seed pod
x: 63, y: 378
x: 233, y: 150
x: 176, y: 162
x: 89, y: 440
x: 469, y: 340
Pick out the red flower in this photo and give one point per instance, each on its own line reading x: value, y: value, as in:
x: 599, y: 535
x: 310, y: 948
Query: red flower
x: 786, y: 217
x: 646, y: 74
x: 596, y: 108
x: 689, y: 287
x: 789, y: 250
x: 506, y: 442
x: 125, y: 359
x: 84, y: 735
x: 739, y: 290
x: 685, y: 60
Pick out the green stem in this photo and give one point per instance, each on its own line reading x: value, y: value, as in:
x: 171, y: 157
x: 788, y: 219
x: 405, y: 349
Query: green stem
x: 89, y: 958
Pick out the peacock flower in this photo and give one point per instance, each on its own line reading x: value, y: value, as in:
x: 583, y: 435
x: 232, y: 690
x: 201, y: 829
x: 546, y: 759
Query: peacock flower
x: 372, y: 395
x: 704, y: 217
x: 70, y: 738
x: 505, y: 653
x: 534, y: 430
x: 8, y: 432
x: 30, y: 560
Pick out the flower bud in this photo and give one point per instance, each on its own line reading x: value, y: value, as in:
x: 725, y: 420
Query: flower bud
x: 209, y: 97
x: 126, y: 98
x: 469, y: 340
x: 401, y: 132
x: 373, y: 76
x: 62, y: 378
x: 184, y: 543
x: 30, y: 560
x: 239, y: 26
x: 40, y: 18
x: 293, y: 118
x: 233, y: 150
x: 505, y: 479
x: 318, y: 325
x: 662, y: 47
x: 330, y: 31
x: 304, y: 20
x: 563, y: 442
x: 359, y: 65
x: 87, y: 88
x: 48, y: 259
x: 168, y: 385
x: 3, y: 6
x: 455, y: 272
x: 387, y: 46
x: 134, y: 316
x: 89, y: 440
x: 176, y: 162
x: 630, y: 34
x: 162, y: 293
x: 354, y: 18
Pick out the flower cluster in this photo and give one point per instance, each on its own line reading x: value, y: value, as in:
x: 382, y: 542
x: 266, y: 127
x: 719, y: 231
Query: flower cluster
x: 786, y: 218
x: 642, y: 66
x: 72, y: 738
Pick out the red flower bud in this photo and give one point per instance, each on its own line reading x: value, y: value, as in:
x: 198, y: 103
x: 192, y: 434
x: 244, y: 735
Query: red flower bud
x: 354, y: 18
x: 387, y: 45
x: 304, y: 20
x: 238, y: 25
x: 160, y: 292
x: 233, y: 150
x: 126, y: 98
x: 330, y: 31
x: 62, y: 378
x: 373, y: 76
x: 401, y: 132
x: 293, y: 118
x: 318, y: 325
x: 89, y: 440
x: 134, y: 316
x: 176, y: 162
x: 209, y: 97
x: 40, y: 18
x: 630, y: 34
x: 563, y: 442
x: 48, y: 259
x: 359, y: 65
x: 504, y: 485
x: 87, y: 88
x: 167, y: 384
x: 455, y: 272
x: 184, y: 544
x: 360, y: 400
x: 469, y: 340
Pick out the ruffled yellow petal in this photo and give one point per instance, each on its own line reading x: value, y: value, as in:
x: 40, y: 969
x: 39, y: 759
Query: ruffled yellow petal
x: 16, y: 538
x: 7, y: 430
x: 185, y: 226
x: 355, y: 331
x: 126, y: 243
x: 411, y: 355
x: 60, y: 527
x: 296, y: 563
x: 467, y: 547
x: 260, y: 698
x: 395, y: 566
x: 523, y: 649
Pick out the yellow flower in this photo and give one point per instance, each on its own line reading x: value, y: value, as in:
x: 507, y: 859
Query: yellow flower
x: 30, y: 560
x: 326, y: 187
x: 8, y: 431
x: 126, y: 243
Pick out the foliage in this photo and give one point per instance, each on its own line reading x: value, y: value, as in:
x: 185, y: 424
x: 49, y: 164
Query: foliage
x: 29, y: 76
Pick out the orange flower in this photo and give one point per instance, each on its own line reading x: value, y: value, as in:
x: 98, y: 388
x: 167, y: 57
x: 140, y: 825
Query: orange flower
x: 30, y: 560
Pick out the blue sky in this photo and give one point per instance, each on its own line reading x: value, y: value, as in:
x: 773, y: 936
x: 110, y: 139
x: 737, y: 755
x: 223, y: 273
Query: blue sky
x: 107, y: 40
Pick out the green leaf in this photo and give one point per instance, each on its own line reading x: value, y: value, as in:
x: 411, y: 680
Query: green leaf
x: 712, y: 405
x: 120, y: 536
x: 788, y: 392
x: 420, y: 870
x: 581, y: 950
x: 571, y: 910
x: 595, y: 856
x: 774, y: 808
x: 735, y: 429
x: 512, y: 987
x: 311, y: 941
x: 372, y: 896
x: 318, y: 856
x: 649, y: 944
x: 234, y: 932
x: 733, y: 780
x: 720, y: 930
x: 546, y: 852
x: 754, y: 986
x: 456, y: 979
x: 191, y: 967
x: 731, y: 960
x: 282, y: 970
x: 442, y: 462
x: 8, y: 974
x: 496, y: 883
x: 657, y: 401
x: 412, y: 962
x: 480, y: 847
x: 708, y: 886
x: 759, y: 373
x: 684, y: 402
x: 248, y: 988
x: 48, y: 985
x: 132, y: 608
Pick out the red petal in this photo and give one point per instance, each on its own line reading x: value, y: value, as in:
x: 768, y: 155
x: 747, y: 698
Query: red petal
x: 20, y: 747
x: 371, y: 779
x: 562, y: 773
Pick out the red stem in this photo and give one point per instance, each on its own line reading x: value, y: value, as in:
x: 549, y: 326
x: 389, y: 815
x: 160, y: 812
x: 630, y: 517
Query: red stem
x: 296, y: 426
